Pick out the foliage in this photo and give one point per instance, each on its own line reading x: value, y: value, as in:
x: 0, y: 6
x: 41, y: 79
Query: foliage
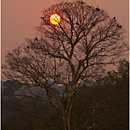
x: 113, y: 113
x: 10, y: 87
x: 5, y: 123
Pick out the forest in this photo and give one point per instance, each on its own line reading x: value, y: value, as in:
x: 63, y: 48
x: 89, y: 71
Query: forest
x: 30, y: 114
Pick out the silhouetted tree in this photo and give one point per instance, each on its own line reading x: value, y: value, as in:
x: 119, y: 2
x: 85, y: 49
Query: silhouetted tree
x: 74, y: 50
x: 106, y: 101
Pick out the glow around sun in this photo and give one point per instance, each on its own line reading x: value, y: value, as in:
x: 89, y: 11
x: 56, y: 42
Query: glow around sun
x: 55, y: 19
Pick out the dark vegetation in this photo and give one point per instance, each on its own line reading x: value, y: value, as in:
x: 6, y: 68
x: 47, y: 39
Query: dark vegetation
x: 30, y: 114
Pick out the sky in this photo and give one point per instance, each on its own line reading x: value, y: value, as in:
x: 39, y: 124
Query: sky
x: 20, y: 17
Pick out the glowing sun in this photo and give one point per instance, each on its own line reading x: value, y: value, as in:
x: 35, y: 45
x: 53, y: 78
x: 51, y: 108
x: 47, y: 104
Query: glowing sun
x: 55, y: 19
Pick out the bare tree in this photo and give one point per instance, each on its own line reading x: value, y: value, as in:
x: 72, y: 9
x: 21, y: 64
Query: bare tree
x: 74, y: 50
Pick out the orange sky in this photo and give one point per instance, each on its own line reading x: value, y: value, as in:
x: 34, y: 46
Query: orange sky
x: 19, y: 17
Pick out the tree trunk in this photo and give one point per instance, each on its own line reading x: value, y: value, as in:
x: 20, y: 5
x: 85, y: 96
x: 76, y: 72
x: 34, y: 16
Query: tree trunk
x: 66, y: 116
x: 67, y: 113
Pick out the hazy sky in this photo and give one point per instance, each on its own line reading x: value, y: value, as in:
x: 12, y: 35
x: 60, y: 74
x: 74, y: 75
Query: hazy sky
x: 19, y: 17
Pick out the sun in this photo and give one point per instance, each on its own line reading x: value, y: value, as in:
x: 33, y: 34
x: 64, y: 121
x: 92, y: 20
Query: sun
x: 55, y: 19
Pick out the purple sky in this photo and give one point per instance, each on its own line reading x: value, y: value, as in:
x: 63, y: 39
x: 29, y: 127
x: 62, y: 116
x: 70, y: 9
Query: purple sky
x: 19, y: 17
